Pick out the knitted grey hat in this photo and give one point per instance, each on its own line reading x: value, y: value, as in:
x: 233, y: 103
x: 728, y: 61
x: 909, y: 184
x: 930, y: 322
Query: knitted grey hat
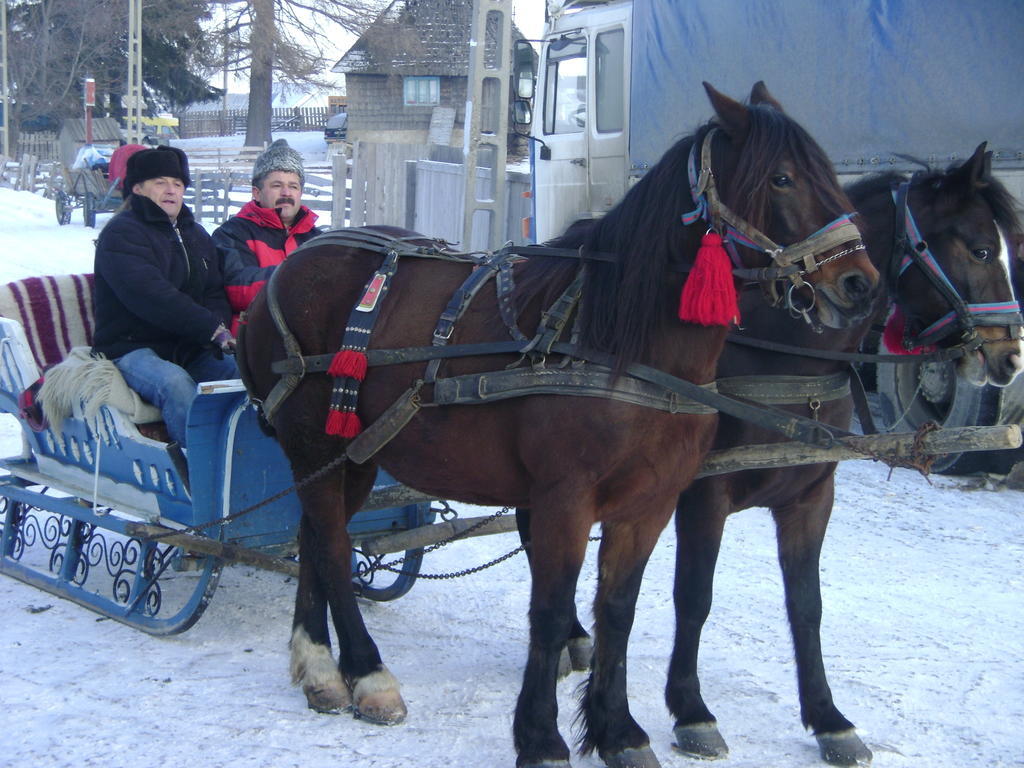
x: 277, y: 157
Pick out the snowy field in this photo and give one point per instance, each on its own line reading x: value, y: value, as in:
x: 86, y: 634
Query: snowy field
x: 923, y: 586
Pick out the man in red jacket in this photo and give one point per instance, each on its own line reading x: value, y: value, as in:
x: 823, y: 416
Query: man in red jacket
x: 268, y: 228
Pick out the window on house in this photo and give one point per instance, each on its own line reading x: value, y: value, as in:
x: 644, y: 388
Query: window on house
x: 421, y: 91
x: 565, y: 90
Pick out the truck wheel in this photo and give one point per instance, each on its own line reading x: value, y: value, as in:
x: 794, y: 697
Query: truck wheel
x: 910, y: 395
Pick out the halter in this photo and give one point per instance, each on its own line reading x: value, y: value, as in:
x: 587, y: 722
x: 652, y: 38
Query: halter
x: 794, y: 261
x: 962, y: 316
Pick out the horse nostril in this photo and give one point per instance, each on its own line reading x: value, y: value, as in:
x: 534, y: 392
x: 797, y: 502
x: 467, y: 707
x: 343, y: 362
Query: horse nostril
x: 856, y: 286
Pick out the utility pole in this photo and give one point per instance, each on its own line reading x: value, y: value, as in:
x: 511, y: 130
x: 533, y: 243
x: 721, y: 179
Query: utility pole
x: 133, y: 119
x: 486, y: 126
x: 5, y: 100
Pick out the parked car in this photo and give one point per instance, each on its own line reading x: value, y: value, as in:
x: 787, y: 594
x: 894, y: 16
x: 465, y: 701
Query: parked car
x: 337, y: 128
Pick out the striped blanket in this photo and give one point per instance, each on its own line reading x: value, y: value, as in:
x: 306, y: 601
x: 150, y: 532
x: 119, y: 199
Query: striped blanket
x: 55, y: 311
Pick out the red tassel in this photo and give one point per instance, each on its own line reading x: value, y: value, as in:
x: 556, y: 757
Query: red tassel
x: 348, y: 363
x: 343, y: 424
x: 709, y: 293
x: 892, y: 336
x: 334, y: 421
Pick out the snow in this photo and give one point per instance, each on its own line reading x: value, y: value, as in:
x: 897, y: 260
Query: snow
x: 922, y: 633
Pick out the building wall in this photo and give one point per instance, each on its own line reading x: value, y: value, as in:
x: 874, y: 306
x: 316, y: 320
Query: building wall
x: 376, y: 111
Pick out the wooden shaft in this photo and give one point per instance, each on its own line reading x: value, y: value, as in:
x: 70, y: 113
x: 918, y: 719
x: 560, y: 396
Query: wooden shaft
x: 231, y: 553
x: 771, y: 456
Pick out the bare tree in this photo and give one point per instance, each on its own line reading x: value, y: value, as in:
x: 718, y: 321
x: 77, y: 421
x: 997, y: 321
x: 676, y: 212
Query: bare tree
x: 285, y: 40
x: 54, y: 44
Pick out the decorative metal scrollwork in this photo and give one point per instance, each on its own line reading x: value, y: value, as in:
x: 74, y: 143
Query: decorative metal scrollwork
x: 133, y: 567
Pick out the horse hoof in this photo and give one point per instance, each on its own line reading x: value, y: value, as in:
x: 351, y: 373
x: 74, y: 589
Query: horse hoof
x: 564, y: 663
x: 328, y: 700
x: 638, y: 757
x: 376, y: 699
x: 581, y: 651
x: 843, y: 748
x: 700, y: 740
x: 384, y: 708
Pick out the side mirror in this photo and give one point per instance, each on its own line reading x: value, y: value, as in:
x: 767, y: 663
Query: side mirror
x: 523, y: 70
x: 522, y: 113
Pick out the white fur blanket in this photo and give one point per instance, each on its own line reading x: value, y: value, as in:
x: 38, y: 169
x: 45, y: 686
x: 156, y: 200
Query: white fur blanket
x: 95, y: 381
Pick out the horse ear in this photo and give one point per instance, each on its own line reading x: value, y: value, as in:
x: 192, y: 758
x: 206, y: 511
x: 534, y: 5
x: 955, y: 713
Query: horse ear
x: 735, y: 117
x: 977, y: 170
x: 759, y: 95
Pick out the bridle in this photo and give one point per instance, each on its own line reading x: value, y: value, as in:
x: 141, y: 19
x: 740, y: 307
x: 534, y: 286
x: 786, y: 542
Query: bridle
x: 793, y: 262
x: 963, y: 317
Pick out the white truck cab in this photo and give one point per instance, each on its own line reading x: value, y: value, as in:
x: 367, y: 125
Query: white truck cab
x: 582, y: 117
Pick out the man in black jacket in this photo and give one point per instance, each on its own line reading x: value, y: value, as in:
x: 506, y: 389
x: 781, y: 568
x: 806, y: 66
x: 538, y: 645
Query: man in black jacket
x: 161, y: 309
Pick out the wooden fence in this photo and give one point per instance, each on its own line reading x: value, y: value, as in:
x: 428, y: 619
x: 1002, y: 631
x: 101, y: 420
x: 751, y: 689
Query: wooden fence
x: 217, y: 194
x: 30, y: 174
x: 421, y: 187
x: 230, y: 122
x: 42, y: 145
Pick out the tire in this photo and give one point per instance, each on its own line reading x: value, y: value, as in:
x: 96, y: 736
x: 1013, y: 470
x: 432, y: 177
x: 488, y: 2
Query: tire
x: 89, y: 210
x: 911, y: 395
x: 64, y: 206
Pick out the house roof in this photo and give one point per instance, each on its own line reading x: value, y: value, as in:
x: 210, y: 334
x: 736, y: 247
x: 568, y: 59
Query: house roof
x: 103, y: 129
x: 422, y: 37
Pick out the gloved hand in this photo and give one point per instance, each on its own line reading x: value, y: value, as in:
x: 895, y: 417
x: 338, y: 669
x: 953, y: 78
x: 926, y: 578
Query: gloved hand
x: 223, y: 339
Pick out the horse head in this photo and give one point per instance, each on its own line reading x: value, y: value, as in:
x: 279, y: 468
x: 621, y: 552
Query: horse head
x: 953, y: 282
x: 793, y: 213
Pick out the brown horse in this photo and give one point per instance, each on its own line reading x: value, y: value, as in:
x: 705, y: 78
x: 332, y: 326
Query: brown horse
x: 953, y: 292
x: 575, y: 460
x: 959, y: 214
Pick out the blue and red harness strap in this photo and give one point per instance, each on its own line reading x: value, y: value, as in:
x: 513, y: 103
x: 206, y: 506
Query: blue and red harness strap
x: 962, y: 315
x: 349, y: 364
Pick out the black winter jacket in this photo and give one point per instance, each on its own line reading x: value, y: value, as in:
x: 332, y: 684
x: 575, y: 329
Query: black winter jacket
x: 157, y: 285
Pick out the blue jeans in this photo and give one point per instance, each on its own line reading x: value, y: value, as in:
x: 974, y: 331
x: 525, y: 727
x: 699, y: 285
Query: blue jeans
x: 170, y: 387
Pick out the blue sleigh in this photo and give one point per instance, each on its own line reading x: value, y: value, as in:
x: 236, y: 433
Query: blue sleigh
x: 95, y: 511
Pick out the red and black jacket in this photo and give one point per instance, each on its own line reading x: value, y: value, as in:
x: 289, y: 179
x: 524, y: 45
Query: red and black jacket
x: 252, y: 243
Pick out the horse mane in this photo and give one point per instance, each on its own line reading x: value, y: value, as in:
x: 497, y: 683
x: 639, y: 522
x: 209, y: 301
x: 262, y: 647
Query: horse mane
x: 625, y: 303
x: 993, y: 192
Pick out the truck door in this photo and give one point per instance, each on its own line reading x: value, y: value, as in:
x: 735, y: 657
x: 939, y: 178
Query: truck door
x: 561, y: 171
x: 581, y: 170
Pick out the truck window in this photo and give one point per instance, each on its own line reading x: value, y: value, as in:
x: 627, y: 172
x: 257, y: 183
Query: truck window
x: 565, y: 90
x: 608, y: 81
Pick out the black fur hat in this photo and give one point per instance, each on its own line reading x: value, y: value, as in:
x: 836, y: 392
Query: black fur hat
x: 152, y: 163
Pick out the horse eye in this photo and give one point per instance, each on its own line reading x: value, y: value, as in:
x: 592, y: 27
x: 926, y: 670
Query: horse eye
x: 983, y: 255
x: 781, y: 180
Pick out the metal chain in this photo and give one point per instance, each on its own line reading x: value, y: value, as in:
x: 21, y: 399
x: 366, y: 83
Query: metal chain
x: 846, y: 252
x: 390, y: 566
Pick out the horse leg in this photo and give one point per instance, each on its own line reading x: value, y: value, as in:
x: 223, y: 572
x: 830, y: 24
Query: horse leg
x: 700, y: 521
x: 608, y: 725
x: 374, y: 690
x: 579, y: 649
x: 554, y: 567
x: 312, y: 665
x: 801, y: 530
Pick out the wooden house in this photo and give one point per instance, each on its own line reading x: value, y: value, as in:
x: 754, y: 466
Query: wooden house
x: 406, y: 77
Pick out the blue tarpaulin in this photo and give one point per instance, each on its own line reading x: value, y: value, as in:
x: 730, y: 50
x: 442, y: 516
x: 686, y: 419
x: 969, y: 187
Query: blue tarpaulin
x: 869, y: 79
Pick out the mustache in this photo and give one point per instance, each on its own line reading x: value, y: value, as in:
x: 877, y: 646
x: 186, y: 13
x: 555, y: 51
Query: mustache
x: 286, y: 199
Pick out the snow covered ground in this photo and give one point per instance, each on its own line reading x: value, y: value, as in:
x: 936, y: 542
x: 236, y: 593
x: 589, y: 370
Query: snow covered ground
x: 923, y: 585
